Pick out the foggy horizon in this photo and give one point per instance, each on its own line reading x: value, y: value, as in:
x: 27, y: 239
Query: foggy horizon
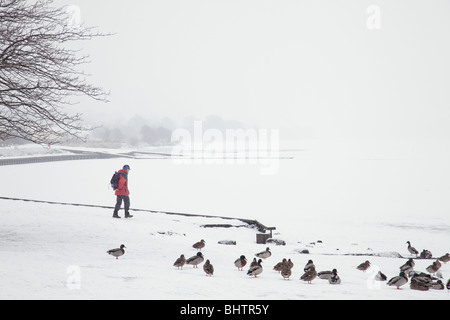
x: 314, y: 70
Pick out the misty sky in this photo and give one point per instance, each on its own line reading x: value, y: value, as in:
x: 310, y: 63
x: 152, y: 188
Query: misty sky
x: 311, y: 67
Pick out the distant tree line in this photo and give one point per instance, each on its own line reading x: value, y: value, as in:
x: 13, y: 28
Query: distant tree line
x: 146, y: 134
x: 141, y: 130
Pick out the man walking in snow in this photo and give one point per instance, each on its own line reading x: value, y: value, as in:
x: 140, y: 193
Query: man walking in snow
x: 122, y: 193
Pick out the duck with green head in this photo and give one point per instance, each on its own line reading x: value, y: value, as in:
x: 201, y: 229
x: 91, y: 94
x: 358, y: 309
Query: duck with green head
x: 398, y: 281
x: 117, y: 252
x: 196, y: 260
x: 256, y: 269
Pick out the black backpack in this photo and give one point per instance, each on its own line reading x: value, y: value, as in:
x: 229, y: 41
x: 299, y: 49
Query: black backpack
x: 115, y: 180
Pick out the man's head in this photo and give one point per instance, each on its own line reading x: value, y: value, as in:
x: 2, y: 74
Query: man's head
x: 126, y: 167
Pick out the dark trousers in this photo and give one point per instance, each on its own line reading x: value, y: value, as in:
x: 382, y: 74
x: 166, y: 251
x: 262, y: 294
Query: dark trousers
x: 126, y: 201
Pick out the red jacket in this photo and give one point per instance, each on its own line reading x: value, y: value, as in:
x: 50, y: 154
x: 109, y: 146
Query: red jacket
x: 122, y: 190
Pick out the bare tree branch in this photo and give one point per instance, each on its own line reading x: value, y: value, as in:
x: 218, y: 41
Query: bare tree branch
x: 39, y: 73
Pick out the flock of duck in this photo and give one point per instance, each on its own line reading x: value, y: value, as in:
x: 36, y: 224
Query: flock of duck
x: 418, y: 280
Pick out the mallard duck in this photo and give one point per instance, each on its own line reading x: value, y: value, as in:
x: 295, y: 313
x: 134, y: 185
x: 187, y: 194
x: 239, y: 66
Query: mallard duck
x: 208, y: 268
x: 290, y: 264
x: 286, y: 271
x: 433, y: 268
x: 180, y: 262
x: 264, y: 254
x: 199, y: 245
x: 438, y: 285
x: 196, y: 260
x: 117, y: 252
x: 309, y: 275
x: 240, y: 263
x: 279, y: 266
x: 411, y: 249
x: 398, y: 281
x: 422, y: 275
x: 325, y: 275
x: 309, y: 266
x: 334, y: 279
x: 426, y: 254
x: 408, y: 266
x: 445, y: 258
x: 364, y: 266
x: 255, y: 270
x: 448, y: 284
x: 424, y: 278
x: 418, y: 284
x: 380, y: 276
x: 253, y: 263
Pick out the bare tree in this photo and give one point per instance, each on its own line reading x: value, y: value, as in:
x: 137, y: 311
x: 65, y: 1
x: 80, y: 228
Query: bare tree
x: 40, y: 72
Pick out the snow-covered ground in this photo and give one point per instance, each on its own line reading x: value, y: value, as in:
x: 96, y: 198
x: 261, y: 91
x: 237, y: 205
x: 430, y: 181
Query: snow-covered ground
x: 354, y: 204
